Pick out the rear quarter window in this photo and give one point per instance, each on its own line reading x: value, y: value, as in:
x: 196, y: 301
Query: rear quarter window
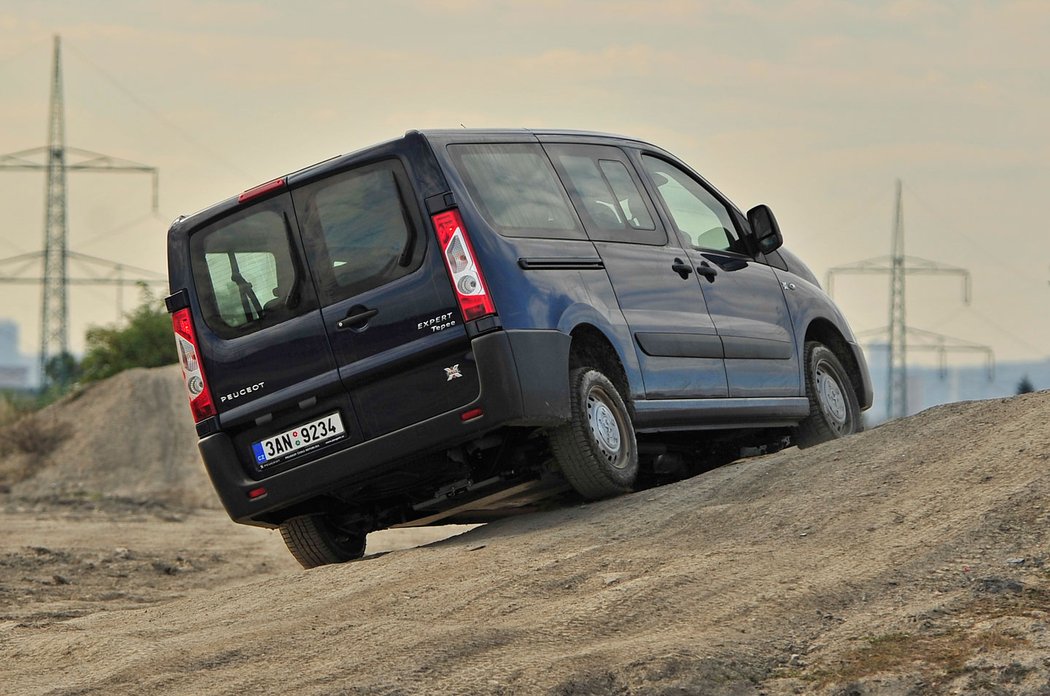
x: 607, y: 194
x: 516, y: 190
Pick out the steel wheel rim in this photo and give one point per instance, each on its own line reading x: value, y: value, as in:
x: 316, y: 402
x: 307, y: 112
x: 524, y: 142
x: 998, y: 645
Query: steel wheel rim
x: 831, y: 399
x: 606, y: 428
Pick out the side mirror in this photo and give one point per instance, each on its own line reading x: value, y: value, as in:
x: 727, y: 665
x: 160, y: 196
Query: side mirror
x: 765, y: 229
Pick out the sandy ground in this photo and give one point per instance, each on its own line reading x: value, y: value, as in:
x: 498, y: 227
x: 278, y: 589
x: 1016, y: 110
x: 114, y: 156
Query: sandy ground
x: 905, y: 560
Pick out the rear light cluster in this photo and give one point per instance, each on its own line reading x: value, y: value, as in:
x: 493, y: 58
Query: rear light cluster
x: 201, y: 403
x: 469, y: 284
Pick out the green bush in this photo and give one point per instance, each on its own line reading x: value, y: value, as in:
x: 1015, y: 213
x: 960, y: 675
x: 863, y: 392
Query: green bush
x: 146, y: 340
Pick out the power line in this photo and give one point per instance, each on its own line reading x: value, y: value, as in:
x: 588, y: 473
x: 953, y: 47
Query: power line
x: 124, y: 228
x: 989, y: 252
x: 161, y: 117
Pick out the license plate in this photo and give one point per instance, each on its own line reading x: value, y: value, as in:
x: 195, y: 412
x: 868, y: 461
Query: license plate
x: 299, y: 440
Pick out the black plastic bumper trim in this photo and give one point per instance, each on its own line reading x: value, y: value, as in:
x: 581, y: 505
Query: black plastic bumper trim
x: 654, y: 415
x: 680, y: 345
x: 524, y: 381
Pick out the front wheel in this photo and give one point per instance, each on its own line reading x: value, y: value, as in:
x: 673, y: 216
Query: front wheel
x: 315, y: 541
x: 833, y: 408
x: 597, y: 450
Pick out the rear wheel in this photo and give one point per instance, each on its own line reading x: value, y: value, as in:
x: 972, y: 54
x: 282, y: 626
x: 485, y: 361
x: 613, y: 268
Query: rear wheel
x: 315, y: 541
x: 833, y: 408
x: 597, y: 450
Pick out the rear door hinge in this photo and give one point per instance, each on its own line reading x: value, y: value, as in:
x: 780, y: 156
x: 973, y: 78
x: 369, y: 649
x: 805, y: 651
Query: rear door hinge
x: 176, y: 301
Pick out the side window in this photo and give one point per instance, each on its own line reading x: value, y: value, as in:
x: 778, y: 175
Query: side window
x: 626, y: 195
x: 516, y: 190
x: 245, y: 271
x: 704, y: 221
x: 606, y: 194
x: 358, y: 230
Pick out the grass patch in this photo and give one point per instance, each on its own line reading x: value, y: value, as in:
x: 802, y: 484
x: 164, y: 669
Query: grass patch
x: 26, y: 444
x: 937, y: 657
x: 942, y: 655
x: 1030, y: 599
x: 34, y: 434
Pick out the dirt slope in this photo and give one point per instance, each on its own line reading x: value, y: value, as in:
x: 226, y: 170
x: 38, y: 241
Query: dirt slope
x: 908, y: 559
x: 130, y: 436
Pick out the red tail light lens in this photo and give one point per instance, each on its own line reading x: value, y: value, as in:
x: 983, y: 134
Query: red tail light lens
x: 201, y: 404
x: 469, y: 284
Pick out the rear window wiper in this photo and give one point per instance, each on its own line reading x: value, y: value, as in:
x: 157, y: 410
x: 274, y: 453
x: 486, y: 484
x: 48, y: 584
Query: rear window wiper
x: 249, y: 301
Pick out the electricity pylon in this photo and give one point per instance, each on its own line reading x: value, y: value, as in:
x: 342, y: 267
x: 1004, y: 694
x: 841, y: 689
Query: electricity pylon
x: 54, y: 323
x: 899, y: 266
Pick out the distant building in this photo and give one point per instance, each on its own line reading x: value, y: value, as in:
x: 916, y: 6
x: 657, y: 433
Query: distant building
x: 8, y: 341
x: 14, y: 367
x: 13, y: 377
x: 930, y: 385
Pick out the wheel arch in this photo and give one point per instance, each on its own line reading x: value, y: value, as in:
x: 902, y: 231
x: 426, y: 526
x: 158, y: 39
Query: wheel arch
x: 590, y: 347
x: 607, y: 333
x: 826, y: 332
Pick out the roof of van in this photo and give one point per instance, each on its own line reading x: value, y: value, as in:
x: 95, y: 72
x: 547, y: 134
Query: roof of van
x: 446, y: 134
x: 458, y: 132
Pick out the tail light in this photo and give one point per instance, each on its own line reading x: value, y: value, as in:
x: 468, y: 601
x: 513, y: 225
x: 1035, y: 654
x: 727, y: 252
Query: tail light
x: 469, y: 284
x: 201, y: 404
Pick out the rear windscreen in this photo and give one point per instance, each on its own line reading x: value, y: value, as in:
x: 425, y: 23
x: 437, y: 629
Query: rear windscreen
x: 358, y: 229
x: 516, y: 189
x: 244, y: 271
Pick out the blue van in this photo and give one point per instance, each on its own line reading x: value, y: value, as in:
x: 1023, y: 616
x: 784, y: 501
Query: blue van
x: 454, y: 324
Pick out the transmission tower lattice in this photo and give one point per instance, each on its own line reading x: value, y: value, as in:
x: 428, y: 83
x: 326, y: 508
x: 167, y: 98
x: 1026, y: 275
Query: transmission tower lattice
x: 899, y: 266
x: 54, y: 324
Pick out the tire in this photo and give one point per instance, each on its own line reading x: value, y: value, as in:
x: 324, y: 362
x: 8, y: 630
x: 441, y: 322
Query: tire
x: 314, y: 541
x: 597, y: 450
x: 833, y: 408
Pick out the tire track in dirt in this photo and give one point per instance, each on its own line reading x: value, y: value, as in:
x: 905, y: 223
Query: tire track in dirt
x: 810, y: 571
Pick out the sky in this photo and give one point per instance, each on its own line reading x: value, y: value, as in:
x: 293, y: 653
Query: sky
x: 814, y: 107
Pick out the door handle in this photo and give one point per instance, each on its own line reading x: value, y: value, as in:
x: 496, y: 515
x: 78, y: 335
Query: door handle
x: 681, y: 268
x: 356, y: 318
x: 707, y: 270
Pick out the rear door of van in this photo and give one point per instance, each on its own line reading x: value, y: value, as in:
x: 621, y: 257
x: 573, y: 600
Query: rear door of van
x: 262, y: 340
x: 387, y: 304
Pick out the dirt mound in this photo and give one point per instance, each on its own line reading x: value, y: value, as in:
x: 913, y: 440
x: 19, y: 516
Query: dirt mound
x: 905, y: 560
x: 129, y: 436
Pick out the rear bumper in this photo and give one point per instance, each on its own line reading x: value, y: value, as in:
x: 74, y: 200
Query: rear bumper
x: 524, y: 381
